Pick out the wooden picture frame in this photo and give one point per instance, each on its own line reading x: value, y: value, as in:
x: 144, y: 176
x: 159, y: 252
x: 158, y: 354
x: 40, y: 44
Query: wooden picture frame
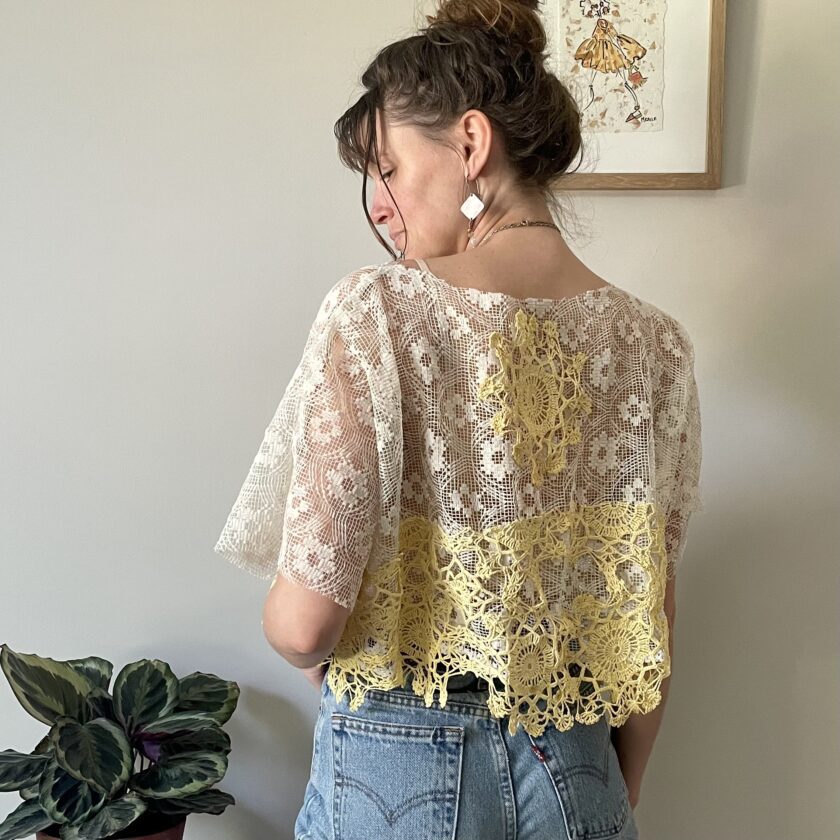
x: 676, y: 63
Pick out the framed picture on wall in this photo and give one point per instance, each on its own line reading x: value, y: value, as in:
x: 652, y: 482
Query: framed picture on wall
x: 648, y: 79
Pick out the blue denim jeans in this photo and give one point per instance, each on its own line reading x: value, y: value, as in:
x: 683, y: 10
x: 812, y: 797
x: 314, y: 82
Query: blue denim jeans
x: 397, y: 770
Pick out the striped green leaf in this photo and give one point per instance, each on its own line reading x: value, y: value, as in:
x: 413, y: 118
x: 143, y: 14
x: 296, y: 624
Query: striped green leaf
x: 96, y: 752
x: 43, y: 747
x: 19, y: 770
x: 96, y: 670
x: 46, y: 688
x: 200, y: 692
x: 31, y: 791
x: 207, y: 802
x: 24, y: 821
x: 144, y: 691
x: 211, y: 739
x: 113, y: 817
x: 65, y: 798
x: 177, y: 722
x: 180, y: 775
x: 101, y: 704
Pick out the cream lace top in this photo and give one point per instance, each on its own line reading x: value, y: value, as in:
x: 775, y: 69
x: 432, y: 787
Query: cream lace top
x: 491, y: 484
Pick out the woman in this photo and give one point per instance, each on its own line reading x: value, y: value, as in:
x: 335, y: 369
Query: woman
x: 474, y: 494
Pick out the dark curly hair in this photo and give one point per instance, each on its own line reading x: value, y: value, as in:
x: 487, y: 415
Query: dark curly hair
x: 484, y: 54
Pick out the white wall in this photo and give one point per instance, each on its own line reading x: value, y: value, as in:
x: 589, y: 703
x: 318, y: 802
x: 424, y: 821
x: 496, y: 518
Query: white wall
x: 171, y: 213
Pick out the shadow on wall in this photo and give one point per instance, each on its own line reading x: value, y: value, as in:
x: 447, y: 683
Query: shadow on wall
x: 240, y: 822
x: 270, y: 757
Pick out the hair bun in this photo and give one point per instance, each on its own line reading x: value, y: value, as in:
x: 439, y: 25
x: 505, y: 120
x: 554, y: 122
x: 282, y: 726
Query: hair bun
x: 516, y: 20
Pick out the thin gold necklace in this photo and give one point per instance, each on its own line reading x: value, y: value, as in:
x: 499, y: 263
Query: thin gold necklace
x: 524, y: 223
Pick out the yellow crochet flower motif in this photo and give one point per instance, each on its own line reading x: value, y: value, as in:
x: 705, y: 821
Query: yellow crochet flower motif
x: 540, y: 393
x: 617, y: 649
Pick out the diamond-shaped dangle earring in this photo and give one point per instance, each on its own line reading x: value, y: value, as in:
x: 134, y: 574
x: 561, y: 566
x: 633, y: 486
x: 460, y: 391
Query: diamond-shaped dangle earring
x: 471, y: 208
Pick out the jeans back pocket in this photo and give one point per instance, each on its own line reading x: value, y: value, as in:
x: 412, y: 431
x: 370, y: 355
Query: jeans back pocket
x: 395, y: 780
x: 584, y: 768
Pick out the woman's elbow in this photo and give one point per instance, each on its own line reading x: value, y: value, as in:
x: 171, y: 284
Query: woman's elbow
x: 275, y: 627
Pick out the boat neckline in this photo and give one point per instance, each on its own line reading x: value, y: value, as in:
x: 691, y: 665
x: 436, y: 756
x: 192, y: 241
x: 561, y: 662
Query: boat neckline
x: 504, y: 296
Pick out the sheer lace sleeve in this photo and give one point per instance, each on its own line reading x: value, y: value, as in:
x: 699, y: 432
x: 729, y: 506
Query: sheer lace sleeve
x: 678, y: 433
x: 310, y: 504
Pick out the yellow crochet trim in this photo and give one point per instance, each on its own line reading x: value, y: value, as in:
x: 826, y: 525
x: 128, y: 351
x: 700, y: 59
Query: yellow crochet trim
x: 565, y: 608
x: 540, y: 392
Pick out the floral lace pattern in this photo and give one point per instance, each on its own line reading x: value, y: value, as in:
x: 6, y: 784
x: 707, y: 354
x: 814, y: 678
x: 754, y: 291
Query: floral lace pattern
x: 489, y: 484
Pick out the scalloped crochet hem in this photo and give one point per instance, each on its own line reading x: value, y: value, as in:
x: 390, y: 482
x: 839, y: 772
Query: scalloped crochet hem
x: 533, y: 714
x: 565, y: 608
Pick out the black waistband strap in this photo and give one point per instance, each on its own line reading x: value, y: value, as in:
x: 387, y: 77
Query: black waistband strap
x: 475, y: 684
x: 461, y: 682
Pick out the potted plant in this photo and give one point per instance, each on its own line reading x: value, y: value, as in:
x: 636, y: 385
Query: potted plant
x: 130, y: 762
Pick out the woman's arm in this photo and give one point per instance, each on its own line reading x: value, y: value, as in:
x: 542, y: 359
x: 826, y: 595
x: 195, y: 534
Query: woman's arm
x: 633, y: 742
x: 315, y: 675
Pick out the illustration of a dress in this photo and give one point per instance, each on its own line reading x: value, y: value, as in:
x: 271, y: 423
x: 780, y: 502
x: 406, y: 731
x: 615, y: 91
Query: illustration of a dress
x: 602, y: 52
x: 608, y: 51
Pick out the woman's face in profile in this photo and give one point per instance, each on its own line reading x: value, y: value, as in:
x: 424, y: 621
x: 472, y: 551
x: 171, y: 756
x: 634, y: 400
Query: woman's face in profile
x: 426, y: 181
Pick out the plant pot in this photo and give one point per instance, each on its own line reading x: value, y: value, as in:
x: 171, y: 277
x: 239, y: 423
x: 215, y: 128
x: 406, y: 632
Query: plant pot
x: 145, y: 827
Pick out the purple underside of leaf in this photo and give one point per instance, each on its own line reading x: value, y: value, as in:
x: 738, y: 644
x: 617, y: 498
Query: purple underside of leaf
x: 150, y: 748
x: 142, y: 737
